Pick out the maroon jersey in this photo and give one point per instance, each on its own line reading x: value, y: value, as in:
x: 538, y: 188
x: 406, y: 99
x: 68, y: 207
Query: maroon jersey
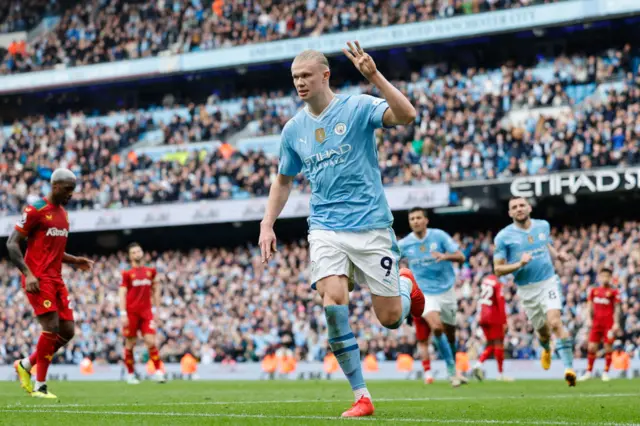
x: 604, y: 300
x: 138, y: 282
x: 492, y: 310
x: 47, y: 229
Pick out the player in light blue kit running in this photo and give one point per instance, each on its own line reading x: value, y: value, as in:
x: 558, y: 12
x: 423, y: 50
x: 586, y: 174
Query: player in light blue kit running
x: 525, y: 250
x: 431, y: 253
x: 350, y: 238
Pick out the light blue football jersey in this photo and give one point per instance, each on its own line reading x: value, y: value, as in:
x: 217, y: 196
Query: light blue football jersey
x: 338, y: 155
x: 512, y: 242
x: 433, y: 278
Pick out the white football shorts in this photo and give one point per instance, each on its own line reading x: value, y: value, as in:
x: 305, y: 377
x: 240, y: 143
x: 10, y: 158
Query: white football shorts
x: 540, y: 298
x: 444, y: 303
x: 366, y: 257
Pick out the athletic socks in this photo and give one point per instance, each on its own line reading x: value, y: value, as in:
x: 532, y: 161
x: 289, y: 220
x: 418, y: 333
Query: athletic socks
x: 499, y: 354
x: 565, y: 349
x: 444, y: 349
x: 128, y: 360
x: 607, y: 362
x: 32, y: 359
x: 45, y: 349
x: 345, y: 348
x: 488, y: 351
x: 405, y: 285
x: 154, y: 355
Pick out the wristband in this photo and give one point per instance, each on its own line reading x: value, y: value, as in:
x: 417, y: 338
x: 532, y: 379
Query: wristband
x: 123, y: 313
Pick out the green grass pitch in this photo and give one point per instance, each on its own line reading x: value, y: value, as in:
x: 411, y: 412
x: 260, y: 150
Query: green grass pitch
x: 321, y: 402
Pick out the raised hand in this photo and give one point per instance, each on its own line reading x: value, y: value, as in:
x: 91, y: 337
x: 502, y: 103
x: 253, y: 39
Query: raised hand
x: 361, y: 60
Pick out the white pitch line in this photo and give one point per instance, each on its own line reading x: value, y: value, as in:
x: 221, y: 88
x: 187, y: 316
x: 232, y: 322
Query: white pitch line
x: 329, y: 418
x: 326, y: 401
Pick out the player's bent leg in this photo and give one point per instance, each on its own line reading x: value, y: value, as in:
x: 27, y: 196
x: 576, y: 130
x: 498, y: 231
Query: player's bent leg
x: 608, y: 353
x: 392, y: 310
x: 66, y: 333
x: 154, y: 356
x: 592, y: 349
x: 45, y: 349
x: 417, y: 297
x: 440, y: 340
x: 335, y: 297
x: 423, y: 350
x: 129, y: 361
x: 564, y: 346
x: 450, y: 333
x: 544, y: 336
x: 389, y: 310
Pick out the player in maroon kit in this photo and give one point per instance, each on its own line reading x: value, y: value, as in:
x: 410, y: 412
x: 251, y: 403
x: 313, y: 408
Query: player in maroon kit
x: 138, y: 290
x: 493, y: 320
x: 603, y: 316
x: 45, y: 226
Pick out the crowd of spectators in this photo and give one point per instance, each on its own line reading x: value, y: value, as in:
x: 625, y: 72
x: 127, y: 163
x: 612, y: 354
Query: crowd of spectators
x: 23, y: 15
x: 224, y: 304
x: 97, y: 31
x: 465, y: 130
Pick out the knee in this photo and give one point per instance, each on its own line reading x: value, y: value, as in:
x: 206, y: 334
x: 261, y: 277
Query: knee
x: 334, y: 290
x: 592, y: 348
x: 68, y: 334
x: 129, y: 343
x: 555, y: 324
x: 391, y: 318
x: 437, y: 328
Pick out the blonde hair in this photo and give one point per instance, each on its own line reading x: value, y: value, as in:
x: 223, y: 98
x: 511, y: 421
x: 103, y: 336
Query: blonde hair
x: 312, y: 55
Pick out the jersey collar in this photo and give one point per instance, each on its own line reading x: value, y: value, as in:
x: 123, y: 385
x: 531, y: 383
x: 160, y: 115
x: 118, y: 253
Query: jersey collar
x: 324, y: 112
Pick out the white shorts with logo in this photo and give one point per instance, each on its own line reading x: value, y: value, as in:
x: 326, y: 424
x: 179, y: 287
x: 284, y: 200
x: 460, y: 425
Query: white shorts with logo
x: 540, y: 298
x: 445, y: 303
x: 366, y: 258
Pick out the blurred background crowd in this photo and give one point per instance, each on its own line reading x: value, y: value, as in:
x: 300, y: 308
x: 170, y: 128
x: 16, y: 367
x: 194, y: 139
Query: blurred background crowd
x: 224, y: 304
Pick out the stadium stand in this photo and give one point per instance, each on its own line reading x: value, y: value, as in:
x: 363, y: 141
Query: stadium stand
x: 100, y: 31
x: 223, y: 304
x: 474, y: 124
x: 23, y: 15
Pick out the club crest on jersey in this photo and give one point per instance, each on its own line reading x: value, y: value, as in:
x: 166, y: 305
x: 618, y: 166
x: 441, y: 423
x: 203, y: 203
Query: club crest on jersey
x: 46, y: 304
x: 340, y: 129
x: 149, y: 274
x: 320, y: 135
x: 48, y: 216
x: 530, y: 238
x: 423, y: 248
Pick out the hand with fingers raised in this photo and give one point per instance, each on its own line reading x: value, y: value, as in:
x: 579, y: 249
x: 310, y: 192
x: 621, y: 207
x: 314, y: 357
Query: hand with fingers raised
x: 361, y: 60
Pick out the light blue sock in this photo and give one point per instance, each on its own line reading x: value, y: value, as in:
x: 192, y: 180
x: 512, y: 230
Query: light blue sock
x: 565, y: 349
x: 405, y: 286
x: 444, y: 349
x: 344, y: 345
